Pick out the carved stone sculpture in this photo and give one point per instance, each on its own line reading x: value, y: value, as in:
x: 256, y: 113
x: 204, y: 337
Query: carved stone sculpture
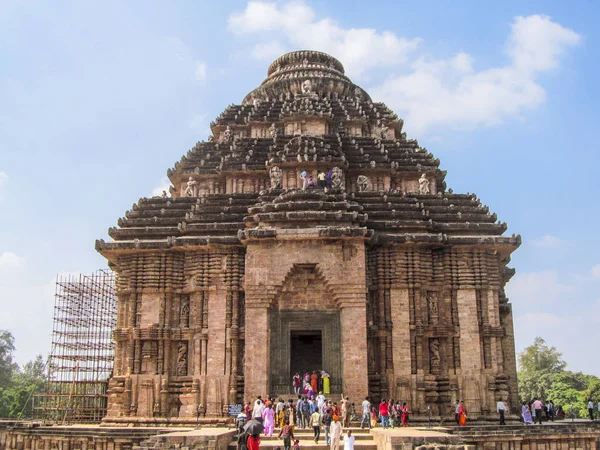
x: 363, y: 183
x: 423, y: 185
x: 306, y: 87
x: 434, y: 355
x: 275, y: 174
x: 184, y: 314
x: 182, y: 358
x: 273, y: 131
x: 191, y: 189
x: 384, y: 131
x: 227, y: 134
x: 336, y: 178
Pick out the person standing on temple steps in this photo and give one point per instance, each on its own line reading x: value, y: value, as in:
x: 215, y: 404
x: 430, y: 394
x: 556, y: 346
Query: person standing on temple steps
x: 366, y: 410
x: 349, y: 441
x: 501, y: 408
x: 296, y: 383
x: 315, y: 421
x: 326, y: 419
x: 303, y: 176
x: 591, y: 409
x: 287, y: 433
x: 321, y: 179
x: 336, y: 433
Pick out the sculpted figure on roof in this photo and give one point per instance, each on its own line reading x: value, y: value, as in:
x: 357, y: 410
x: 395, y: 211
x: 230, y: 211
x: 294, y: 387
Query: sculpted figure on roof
x: 363, y: 183
x: 190, y: 190
x: 306, y: 87
x: 423, y: 185
x: 275, y: 174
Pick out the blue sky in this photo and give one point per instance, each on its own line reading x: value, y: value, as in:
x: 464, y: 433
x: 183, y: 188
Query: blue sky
x: 98, y: 99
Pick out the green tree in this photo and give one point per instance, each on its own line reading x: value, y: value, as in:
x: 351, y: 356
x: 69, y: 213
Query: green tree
x: 538, y: 365
x: 7, y: 366
x: 18, y: 386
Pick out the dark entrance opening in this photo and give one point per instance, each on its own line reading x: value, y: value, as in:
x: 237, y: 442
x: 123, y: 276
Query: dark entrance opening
x: 306, y: 351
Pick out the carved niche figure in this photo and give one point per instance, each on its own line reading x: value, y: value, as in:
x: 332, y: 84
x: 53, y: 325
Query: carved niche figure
x: 336, y: 178
x: 358, y: 93
x: 432, y: 308
x: 275, y: 174
x: 423, y: 185
x: 227, y: 134
x: 191, y: 189
x: 273, y: 131
x: 434, y: 355
x: 363, y: 183
x: 306, y: 87
x: 184, y: 314
x: 384, y: 131
x: 182, y: 358
x: 164, y: 194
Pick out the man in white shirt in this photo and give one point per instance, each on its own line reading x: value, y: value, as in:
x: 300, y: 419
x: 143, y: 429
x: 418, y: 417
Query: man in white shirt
x: 591, y: 409
x: 349, y: 441
x: 501, y: 407
x: 366, y: 407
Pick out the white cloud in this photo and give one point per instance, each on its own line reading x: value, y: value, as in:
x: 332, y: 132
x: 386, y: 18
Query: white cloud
x: 267, y: 51
x: 200, y: 72
x: 596, y: 271
x: 449, y: 92
x: 538, y: 288
x: 546, y: 241
x: 163, y: 185
x: 11, y: 267
x: 359, y: 49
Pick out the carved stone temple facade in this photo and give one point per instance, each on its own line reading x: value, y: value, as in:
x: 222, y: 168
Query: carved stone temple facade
x: 238, y: 277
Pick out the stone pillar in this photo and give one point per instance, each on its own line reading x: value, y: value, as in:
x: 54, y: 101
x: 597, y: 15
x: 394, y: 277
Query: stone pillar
x: 510, y: 362
x: 470, y: 349
x: 400, y: 309
x: 256, y: 367
x: 353, y: 318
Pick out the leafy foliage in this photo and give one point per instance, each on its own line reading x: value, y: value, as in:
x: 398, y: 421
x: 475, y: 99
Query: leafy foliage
x: 17, y: 386
x: 538, y: 364
x: 542, y: 375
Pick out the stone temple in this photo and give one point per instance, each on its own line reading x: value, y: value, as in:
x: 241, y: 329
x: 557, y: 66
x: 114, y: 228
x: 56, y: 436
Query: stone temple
x: 239, y: 277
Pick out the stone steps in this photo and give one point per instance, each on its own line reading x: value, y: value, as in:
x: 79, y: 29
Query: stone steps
x: 363, y: 440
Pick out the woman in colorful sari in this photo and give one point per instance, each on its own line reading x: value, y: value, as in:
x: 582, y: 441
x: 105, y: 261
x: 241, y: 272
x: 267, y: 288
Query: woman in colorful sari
x: 313, y: 382
x: 269, y: 420
x: 253, y: 442
x: 404, y: 416
x: 462, y: 414
x: 325, y: 377
x: 526, y: 413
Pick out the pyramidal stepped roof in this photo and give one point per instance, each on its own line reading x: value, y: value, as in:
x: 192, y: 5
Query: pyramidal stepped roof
x: 245, y: 182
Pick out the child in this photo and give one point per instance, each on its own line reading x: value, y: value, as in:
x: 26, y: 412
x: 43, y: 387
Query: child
x: 296, y: 444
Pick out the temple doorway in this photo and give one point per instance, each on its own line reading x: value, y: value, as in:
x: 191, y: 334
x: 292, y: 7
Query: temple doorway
x: 306, y: 351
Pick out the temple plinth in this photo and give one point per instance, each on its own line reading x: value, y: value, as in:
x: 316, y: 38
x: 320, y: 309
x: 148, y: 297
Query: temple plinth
x: 238, y: 276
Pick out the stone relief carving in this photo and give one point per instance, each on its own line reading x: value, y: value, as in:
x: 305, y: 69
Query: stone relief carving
x: 363, y: 183
x: 275, y: 174
x: 423, y: 185
x: 182, y: 358
x: 432, y: 308
x: 434, y: 355
x: 184, y: 313
x: 306, y: 87
x: 227, y: 134
x: 273, y: 131
x: 337, y: 177
x: 192, y: 187
x: 384, y: 131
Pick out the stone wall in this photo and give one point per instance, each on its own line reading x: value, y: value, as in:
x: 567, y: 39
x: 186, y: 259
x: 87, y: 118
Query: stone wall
x: 440, y: 329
